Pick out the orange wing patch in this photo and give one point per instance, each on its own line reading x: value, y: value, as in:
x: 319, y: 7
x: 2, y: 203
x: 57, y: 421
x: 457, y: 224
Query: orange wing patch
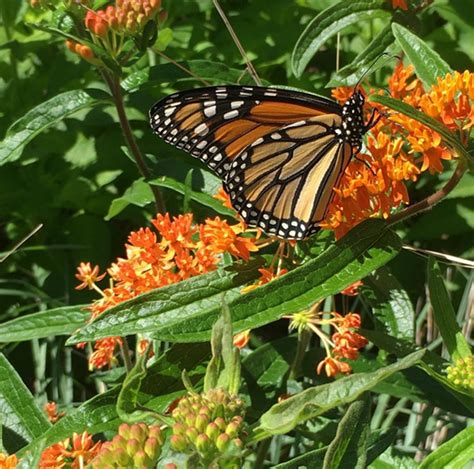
x: 282, y: 112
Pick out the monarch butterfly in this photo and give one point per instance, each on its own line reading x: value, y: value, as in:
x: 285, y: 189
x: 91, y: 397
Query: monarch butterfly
x: 279, y: 153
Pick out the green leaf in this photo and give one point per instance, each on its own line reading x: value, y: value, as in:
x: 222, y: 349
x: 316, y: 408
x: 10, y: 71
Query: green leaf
x: 138, y: 194
x: 310, y: 460
x: 449, y: 137
x: 185, y: 312
x: 349, y: 447
x: 161, y: 385
x: 165, y: 36
x: 42, y: 117
x: 328, y: 23
x: 454, y: 453
x: 53, y: 322
x: 438, y: 392
x: 204, y: 199
x: 18, y: 409
x: 428, y: 64
x: 350, y: 74
x: 176, y: 303
x: 283, y: 417
x: 444, y: 314
x: 215, y: 72
x: 223, y: 370
x: 390, y: 303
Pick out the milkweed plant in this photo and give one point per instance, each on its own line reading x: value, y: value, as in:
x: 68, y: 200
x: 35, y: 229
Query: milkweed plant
x: 192, y: 339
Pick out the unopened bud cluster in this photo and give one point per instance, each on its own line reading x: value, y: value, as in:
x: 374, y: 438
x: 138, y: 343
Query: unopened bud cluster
x: 126, y: 17
x: 82, y: 50
x: 211, y: 424
x: 462, y: 373
x: 137, y: 445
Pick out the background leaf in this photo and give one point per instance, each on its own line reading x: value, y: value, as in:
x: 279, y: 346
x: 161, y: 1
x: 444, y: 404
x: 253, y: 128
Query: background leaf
x: 428, y: 63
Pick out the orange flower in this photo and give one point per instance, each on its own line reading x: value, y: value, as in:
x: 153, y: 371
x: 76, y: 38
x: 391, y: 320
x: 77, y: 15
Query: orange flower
x: 332, y: 367
x: 8, y: 462
x: 402, y: 4
x: 52, y: 412
x: 61, y: 454
x: 242, y: 338
x: 104, y: 353
x: 88, y: 275
x: 344, y: 343
x: 352, y: 290
x: 218, y: 235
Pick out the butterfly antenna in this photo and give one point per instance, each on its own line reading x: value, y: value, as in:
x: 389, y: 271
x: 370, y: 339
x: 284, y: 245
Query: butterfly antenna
x: 374, y: 63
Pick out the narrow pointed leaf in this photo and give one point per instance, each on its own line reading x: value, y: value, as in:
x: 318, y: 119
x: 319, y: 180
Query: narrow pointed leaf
x: 42, y: 117
x: 283, y: 417
x: 18, y: 409
x: 454, y: 454
x: 448, y: 137
x: 172, y: 304
x: 57, y: 321
x: 428, y: 64
x: 185, y: 312
x: 328, y: 23
x: 444, y: 314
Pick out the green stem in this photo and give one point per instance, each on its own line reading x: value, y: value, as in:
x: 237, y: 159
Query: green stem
x: 433, y: 199
x: 125, y: 350
x: 303, y: 341
x: 114, y: 85
x: 262, y: 451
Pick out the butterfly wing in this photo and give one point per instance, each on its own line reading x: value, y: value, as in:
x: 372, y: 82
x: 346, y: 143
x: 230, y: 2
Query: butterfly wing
x: 216, y: 124
x: 283, y: 182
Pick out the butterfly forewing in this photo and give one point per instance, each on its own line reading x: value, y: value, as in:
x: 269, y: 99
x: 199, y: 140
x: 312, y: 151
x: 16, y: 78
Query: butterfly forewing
x: 216, y: 124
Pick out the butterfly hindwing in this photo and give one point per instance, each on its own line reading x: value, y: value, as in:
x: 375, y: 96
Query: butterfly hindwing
x: 284, y: 181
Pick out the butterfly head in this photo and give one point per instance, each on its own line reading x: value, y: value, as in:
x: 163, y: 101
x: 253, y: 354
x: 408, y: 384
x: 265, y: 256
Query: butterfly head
x: 353, y: 127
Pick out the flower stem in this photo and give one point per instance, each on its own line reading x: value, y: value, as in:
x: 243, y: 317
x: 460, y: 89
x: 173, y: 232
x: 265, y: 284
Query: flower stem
x: 303, y: 340
x: 433, y: 199
x: 114, y: 85
x: 125, y: 350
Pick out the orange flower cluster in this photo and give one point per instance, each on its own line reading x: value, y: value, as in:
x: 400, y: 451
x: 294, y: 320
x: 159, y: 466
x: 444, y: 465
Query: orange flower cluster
x: 64, y: 454
x: 177, y: 250
x: 8, y: 462
x: 399, y: 148
x: 125, y: 17
x: 344, y: 342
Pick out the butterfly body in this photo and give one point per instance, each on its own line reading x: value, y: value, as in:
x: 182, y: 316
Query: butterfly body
x: 279, y: 153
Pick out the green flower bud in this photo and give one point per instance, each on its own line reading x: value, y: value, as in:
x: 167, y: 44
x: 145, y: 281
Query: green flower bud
x: 133, y: 446
x: 179, y: 428
x: 220, y: 422
x: 192, y: 433
x: 140, y: 459
x: 203, y: 444
x: 212, y: 431
x: 222, y: 442
x: 178, y: 442
x: 152, y: 448
x: 201, y: 422
x: 139, y: 432
x: 190, y: 419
